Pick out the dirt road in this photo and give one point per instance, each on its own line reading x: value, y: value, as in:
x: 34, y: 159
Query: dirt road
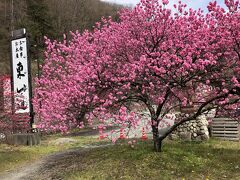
x: 53, y: 166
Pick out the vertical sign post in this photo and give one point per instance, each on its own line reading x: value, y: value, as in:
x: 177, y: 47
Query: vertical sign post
x: 21, y: 74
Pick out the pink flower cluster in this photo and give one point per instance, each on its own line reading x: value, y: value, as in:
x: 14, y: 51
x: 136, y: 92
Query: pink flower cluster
x: 152, y: 56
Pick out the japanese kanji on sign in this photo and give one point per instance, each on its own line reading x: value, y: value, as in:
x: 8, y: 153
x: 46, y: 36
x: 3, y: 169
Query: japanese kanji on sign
x: 20, y: 73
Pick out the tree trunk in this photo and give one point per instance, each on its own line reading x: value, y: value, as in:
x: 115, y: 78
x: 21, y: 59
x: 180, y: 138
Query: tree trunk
x: 156, y: 140
x: 158, y: 145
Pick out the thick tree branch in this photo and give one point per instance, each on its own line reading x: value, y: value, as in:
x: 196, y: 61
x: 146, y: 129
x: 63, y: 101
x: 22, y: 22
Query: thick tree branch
x: 199, y: 112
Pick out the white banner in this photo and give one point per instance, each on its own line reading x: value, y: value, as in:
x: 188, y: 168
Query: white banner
x: 20, y: 75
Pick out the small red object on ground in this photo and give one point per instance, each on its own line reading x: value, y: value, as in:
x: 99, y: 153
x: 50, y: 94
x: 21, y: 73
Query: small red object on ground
x: 121, y: 134
x: 101, y: 136
x: 144, y: 135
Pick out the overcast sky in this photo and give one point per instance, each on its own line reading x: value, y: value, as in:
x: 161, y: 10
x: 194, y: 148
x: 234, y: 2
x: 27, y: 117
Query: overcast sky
x: 195, y: 4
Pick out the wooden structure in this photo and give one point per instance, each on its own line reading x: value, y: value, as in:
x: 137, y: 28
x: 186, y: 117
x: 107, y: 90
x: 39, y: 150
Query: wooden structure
x: 226, y: 128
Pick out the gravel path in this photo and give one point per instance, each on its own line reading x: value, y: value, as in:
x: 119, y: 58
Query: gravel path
x: 53, y: 166
x: 49, y: 167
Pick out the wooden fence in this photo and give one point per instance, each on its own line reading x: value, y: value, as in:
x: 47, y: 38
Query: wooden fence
x: 226, y: 128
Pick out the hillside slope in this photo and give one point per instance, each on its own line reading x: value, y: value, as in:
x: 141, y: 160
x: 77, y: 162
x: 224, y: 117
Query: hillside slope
x: 49, y: 18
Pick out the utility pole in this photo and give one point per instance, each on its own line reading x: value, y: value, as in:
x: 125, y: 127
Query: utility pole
x: 12, y: 16
x: 5, y: 4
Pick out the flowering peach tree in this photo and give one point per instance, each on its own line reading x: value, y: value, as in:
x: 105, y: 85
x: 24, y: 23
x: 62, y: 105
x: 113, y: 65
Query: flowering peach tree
x: 10, y: 121
x: 163, y: 59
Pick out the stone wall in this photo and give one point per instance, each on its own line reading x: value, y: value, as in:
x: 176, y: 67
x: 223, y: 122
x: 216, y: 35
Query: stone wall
x: 192, y: 130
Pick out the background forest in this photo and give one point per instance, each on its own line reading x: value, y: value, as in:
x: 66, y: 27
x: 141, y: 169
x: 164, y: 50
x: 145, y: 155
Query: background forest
x: 50, y: 18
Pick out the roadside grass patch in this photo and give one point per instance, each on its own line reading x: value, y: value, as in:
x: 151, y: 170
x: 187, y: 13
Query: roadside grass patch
x: 189, y: 160
x: 213, y: 159
x: 14, y: 156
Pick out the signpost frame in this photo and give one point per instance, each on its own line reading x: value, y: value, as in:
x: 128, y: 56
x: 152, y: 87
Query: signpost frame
x: 17, y: 35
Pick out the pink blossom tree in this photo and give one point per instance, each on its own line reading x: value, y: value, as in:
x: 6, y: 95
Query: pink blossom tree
x: 160, y: 58
x: 9, y: 120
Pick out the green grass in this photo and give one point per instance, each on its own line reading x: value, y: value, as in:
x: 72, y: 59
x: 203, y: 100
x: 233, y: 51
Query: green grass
x: 214, y: 159
x: 210, y: 160
x: 14, y: 156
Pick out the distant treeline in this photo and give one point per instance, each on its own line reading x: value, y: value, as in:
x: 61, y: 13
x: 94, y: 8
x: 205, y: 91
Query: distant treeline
x: 50, y: 18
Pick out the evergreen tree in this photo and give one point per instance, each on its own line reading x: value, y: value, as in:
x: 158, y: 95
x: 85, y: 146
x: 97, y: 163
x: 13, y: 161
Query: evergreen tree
x: 39, y: 24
